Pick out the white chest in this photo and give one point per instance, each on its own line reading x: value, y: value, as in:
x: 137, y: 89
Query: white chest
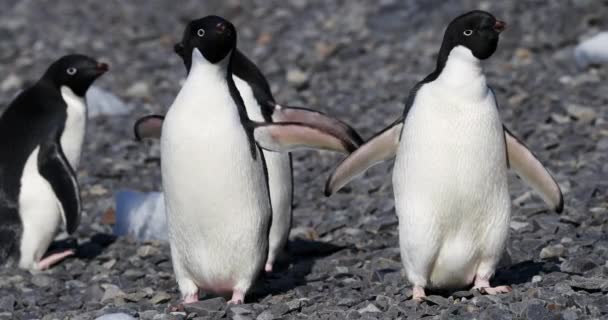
x: 75, y: 126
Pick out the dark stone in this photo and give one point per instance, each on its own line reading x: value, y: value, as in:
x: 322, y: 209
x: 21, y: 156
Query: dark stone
x: 205, y: 306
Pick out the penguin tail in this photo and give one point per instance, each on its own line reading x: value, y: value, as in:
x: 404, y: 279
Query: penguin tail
x: 10, y: 233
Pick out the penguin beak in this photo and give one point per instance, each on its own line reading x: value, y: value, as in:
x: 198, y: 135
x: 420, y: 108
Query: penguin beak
x: 102, y: 67
x: 500, y: 26
x: 179, y: 49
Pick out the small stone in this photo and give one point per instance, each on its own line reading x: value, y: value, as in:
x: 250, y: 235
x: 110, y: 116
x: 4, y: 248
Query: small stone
x: 138, y: 90
x: 578, y: 265
x: 517, y: 225
x: 297, y: 78
x: 115, y: 316
x: 581, y: 113
x: 97, y: 190
x: 12, y: 82
x: 536, y: 279
x: 370, y: 308
x: 266, y: 315
x: 133, y: 274
x: 438, y: 300
x: 590, y: 284
x: 148, y: 314
x: 111, y: 292
x: 203, y: 307
x: 109, y: 264
x: 147, y: 250
x: 553, y: 251
x: 160, y: 297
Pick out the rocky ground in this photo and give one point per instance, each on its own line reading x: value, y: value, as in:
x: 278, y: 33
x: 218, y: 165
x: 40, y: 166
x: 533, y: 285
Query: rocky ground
x: 355, y: 60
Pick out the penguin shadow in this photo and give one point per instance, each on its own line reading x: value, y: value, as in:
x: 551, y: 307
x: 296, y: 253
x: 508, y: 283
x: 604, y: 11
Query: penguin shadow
x: 523, y: 272
x: 292, y: 269
x: 87, y: 250
x: 510, y: 275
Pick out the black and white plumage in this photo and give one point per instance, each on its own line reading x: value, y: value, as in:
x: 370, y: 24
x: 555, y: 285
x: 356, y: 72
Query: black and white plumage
x: 262, y: 107
x: 213, y: 169
x: 41, y: 136
x: 450, y: 175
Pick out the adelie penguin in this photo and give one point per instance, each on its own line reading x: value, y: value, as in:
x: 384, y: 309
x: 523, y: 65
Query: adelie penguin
x: 213, y: 170
x: 41, y: 136
x: 451, y: 155
x: 262, y: 107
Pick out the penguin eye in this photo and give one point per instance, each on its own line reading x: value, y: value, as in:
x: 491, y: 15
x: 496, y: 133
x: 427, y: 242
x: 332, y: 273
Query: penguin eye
x: 200, y: 32
x: 71, y: 71
x: 468, y: 32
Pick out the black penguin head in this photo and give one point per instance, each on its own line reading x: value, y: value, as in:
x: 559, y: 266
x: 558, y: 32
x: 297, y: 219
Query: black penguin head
x: 476, y: 30
x: 75, y: 71
x: 214, y: 37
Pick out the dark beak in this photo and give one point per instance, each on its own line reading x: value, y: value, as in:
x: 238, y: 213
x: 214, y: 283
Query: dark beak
x: 102, y: 67
x: 221, y: 27
x: 500, y: 26
x: 179, y: 49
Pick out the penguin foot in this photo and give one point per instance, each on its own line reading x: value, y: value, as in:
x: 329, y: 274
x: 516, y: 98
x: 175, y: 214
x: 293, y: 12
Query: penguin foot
x: 419, y: 294
x: 50, y: 260
x: 237, y: 297
x: 268, y: 268
x: 190, y: 298
x: 484, y: 287
x: 495, y: 290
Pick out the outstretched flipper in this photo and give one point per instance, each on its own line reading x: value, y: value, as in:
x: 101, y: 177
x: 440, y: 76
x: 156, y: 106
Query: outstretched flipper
x: 148, y: 127
x: 380, y: 148
x: 317, y: 120
x: 56, y: 169
x: 286, y: 137
x: 529, y: 168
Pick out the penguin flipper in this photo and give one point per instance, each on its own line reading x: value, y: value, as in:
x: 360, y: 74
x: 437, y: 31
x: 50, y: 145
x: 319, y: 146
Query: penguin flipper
x: 532, y: 171
x: 290, y: 136
x: 318, y: 120
x: 56, y: 169
x: 380, y: 148
x: 148, y: 127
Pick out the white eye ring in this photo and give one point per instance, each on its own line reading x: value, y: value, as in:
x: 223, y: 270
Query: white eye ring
x: 468, y: 32
x: 200, y: 32
x: 71, y: 71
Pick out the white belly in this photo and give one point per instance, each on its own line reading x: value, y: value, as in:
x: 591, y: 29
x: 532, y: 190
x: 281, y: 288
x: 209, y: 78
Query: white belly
x: 39, y: 211
x: 218, y: 209
x: 450, y: 188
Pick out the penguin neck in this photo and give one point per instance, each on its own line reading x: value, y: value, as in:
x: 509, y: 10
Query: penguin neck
x: 202, y: 68
x: 462, y: 71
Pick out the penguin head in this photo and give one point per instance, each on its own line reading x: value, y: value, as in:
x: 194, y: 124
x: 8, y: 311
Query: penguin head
x: 75, y: 71
x: 214, y: 37
x: 476, y: 30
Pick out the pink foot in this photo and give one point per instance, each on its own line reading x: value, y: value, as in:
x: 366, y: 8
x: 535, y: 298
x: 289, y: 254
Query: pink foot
x: 190, y: 298
x: 237, y: 297
x: 54, y: 258
x: 419, y: 294
x: 484, y: 287
x: 268, y: 268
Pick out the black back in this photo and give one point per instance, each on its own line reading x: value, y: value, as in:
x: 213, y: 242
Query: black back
x: 243, y: 68
x: 36, y: 117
